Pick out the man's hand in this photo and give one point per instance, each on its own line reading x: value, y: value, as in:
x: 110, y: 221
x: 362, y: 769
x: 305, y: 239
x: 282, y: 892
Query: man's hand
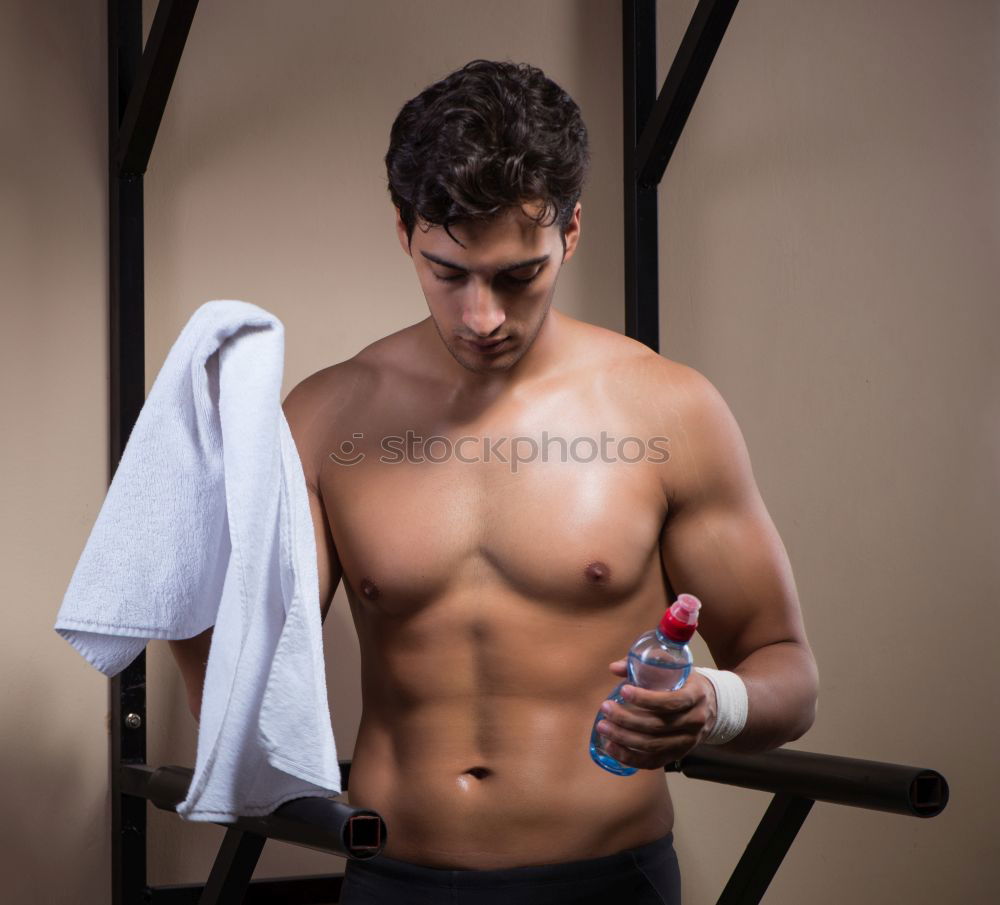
x: 657, y: 728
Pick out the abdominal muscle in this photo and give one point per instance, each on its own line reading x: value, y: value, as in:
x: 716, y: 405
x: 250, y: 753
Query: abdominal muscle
x: 488, y: 780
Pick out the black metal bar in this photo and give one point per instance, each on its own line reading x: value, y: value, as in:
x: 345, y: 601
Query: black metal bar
x: 148, y: 97
x: 315, y: 889
x: 127, y: 690
x: 324, y: 824
x: 874, y: 785
x: 766, y: 850
x: 125, y: 279
x: 641, y: 251
x: 234, y: 866
x: 662, y: 129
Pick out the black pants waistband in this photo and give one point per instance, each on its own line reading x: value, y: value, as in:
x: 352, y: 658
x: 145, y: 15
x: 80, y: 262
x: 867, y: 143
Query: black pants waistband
x: 585, y: 869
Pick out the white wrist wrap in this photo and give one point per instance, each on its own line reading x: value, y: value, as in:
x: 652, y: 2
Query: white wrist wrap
x: 731, y: 696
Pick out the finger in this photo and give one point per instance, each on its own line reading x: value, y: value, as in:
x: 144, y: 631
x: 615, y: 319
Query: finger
x: 643, y: 751
x: 624, y: 755
x: 688, y: 722
x: 638, y: 741
x: 641, y: 760
x: 619, y: 667
x: 636, y: 720
x: 664, y: 702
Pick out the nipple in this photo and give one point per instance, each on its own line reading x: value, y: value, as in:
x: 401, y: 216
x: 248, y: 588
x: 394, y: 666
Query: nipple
x: 369, y: 589
x: 598, y: 571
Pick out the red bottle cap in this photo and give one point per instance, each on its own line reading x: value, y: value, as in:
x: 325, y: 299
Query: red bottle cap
x: 681, y: 620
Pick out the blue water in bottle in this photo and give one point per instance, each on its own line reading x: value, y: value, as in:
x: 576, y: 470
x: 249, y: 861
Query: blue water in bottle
x: 660, y: 659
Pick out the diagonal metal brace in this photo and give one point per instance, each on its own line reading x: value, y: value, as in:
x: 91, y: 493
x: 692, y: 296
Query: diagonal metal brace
x: 766, y: 850
x: 234, y: 865
x: 153, y: 81
x: 680, y: 89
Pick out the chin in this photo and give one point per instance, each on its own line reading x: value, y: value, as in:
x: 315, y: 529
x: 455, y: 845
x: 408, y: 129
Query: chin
x: 482, y: 365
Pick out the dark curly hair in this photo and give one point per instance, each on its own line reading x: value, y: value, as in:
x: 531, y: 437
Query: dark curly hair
x: 485, y: 138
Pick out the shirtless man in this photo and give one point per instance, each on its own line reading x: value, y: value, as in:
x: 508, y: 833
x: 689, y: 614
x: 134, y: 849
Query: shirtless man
x: 496, y: 592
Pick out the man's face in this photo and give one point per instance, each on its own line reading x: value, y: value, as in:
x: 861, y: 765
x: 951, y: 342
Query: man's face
x: 497, y: 285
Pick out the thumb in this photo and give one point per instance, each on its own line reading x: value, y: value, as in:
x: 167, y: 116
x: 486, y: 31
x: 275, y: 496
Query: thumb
x: 619, y: 667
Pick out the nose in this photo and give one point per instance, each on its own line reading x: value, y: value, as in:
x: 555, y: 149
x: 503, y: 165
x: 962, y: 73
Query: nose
x: 481, y: 312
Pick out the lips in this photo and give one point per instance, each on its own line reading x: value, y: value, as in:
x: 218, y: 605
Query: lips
x: 488, y: 347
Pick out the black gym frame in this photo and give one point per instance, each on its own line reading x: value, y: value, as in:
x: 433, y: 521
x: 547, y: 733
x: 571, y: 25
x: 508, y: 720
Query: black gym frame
x: 139, y: 81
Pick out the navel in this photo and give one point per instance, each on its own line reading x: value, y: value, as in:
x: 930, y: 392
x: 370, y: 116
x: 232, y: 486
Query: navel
x: 479, y: 772
x: 369, y: 589
x: 598, y: 572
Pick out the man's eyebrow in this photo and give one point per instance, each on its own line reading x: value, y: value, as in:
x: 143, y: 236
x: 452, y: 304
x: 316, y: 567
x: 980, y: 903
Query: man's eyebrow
x: 515, y: 266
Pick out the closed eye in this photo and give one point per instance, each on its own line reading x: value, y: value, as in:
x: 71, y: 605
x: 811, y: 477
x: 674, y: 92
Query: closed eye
x: 507, y: 277
x: 514, y: 279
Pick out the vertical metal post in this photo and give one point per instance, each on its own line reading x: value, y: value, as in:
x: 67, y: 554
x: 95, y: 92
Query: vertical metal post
x: 641, y: 241
x: 127, y: 393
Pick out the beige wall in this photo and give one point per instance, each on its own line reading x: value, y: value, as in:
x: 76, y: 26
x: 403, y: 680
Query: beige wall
x: 828, y: 259
x: 827, y: 224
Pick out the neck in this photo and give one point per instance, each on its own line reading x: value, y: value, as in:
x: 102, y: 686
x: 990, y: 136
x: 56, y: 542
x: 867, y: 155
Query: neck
x: 541, y: 358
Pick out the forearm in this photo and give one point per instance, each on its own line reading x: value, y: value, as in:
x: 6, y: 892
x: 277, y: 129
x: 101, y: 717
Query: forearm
x: 191, y: 655
x: 782, y: 686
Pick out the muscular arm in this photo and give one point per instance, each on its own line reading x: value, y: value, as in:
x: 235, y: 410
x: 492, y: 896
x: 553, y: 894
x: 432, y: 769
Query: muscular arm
x: 301, y: 409
x: 720, y: 544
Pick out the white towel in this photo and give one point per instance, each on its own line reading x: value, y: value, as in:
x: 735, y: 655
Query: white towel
x: 207, y: 522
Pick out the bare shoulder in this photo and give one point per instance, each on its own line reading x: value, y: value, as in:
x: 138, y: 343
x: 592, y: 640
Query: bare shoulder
x: 319, y: 404
x: 708, y: 457
x: 664, y: 384
x: 710, y: 463
x: 682, y: 388
x: 325, y: 392
x: 310, y: 407
x: 335, y: 387
x: 607, y: 345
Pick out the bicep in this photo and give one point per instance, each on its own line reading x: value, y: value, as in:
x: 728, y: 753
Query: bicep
x: 327, y: 561
x: 191, y: 655
x: 303, y: 410
x: 719, y: 542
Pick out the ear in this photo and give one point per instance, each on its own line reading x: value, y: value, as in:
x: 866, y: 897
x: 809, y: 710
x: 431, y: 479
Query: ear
x: 404, y: 241
x: 572, y: 234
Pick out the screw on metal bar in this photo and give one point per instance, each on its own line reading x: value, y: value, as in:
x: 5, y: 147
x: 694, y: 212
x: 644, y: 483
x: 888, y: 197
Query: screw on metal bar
x: 133, y: 721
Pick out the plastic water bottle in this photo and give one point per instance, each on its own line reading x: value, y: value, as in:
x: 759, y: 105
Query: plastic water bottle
x: 660, y: 659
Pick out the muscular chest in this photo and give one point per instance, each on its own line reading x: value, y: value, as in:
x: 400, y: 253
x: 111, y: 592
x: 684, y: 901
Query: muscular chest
x: 558, y: 502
